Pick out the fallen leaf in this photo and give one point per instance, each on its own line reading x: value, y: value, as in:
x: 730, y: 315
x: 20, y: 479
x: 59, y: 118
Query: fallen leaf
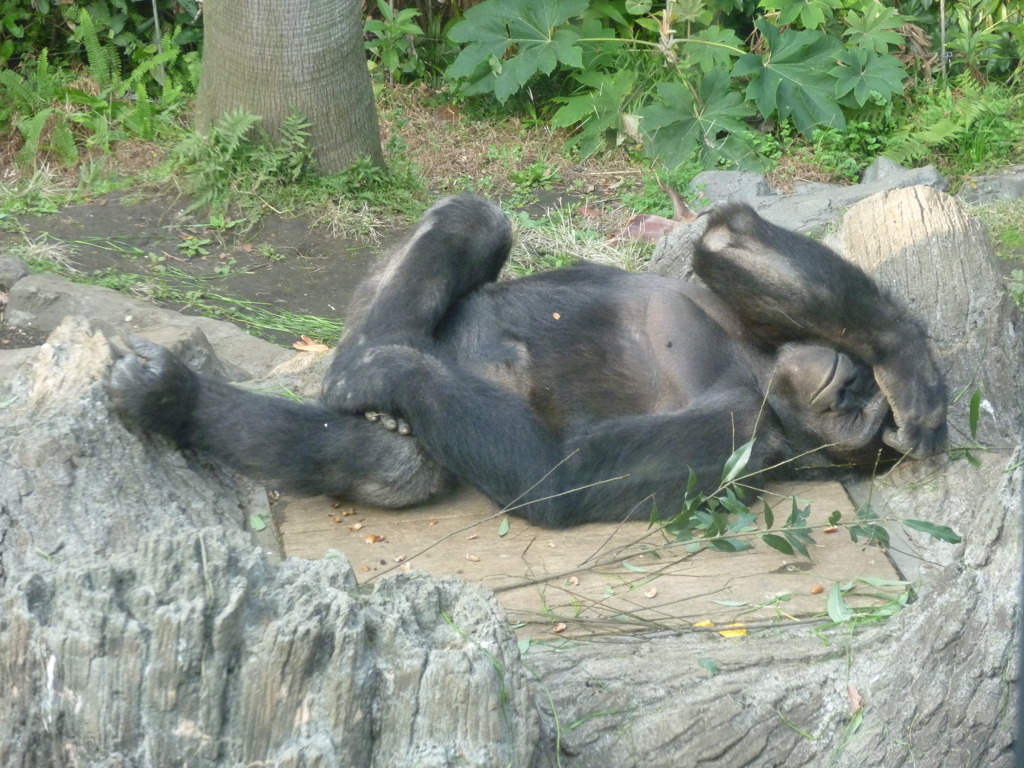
x: 740, y: 632
x: 705, y: 623
x: 856, y: 702
x: 246, y: 247
x: 310, y: 345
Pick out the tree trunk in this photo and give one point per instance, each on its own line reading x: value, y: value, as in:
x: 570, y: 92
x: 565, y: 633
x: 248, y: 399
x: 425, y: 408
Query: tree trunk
x: 307, y: 56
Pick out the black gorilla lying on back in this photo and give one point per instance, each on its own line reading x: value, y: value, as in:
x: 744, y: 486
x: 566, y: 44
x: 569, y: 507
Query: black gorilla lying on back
x: 581, y: 394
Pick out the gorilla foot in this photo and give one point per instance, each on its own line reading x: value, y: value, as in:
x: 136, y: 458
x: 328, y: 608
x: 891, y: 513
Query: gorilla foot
x: 389, y: 422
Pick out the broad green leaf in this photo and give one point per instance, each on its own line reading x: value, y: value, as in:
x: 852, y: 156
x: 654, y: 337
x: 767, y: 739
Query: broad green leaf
x: 835, y: 517
x: 515, y: 40
x: 875, y: 30
x: 598, y: 112
x: 769, y: 515
x: 503, y: 528
x: 810, y: 14
x: 778, y: 542
x: 793, y: 80
x: 257, y: 522
x: 864, y: 73
x: 838, y: 610
x: 716, y: 50
x: 707, y: 124
x: 940, y: 532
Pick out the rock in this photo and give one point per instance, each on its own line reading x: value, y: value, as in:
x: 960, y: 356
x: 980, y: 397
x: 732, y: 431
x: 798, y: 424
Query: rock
x: 728, y: 186
x: 1008, y: 184
x: 140, y: 625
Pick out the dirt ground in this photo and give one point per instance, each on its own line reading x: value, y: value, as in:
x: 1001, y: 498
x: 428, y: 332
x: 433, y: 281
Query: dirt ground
x: 310, y: 271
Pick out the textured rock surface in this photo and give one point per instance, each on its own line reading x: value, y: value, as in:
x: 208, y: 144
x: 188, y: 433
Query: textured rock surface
x: 140, y: 625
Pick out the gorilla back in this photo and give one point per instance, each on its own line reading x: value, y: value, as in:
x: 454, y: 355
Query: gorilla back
x: 581, y: 394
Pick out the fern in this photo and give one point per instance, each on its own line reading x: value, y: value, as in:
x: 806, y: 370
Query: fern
x: 104, y: 66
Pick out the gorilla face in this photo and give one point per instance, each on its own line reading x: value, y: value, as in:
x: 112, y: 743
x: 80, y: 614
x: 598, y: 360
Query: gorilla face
x: 832, y: 398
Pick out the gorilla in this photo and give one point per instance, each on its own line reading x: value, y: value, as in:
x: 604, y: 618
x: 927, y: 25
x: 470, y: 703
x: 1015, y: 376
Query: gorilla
x: 580, y: 394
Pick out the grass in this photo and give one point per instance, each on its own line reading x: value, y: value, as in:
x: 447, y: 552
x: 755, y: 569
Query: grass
x: 1005, y: 222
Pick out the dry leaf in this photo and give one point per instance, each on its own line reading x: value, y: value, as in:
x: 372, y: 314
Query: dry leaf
x: 856, y: 702
x: 739, y: 632
x: 310, y: 345
x: 559, y: 627
x: 473, y: 558
x: 705, y: 623
x: 246, y: 247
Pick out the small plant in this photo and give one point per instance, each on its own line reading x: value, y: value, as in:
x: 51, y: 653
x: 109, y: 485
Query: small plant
x: 193, y: 246
x: 1015, y: 286
x: 391, y: 41
x: 238, y: 160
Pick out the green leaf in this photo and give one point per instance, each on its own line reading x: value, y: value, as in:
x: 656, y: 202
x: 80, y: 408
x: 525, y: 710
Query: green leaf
x: 769, y: 515
x: 793, y: 80
x: 737, y: 462
x: 835, y: 517
x: 940, y: 532
x: 838, y: 610
x: 716, y: 49
x: 257, y: 522
x: 708, y: 123
x: 510, y: 41
x: 503, y: 528
x: 634, y: 568
x: 778, y: 542
x: 729, y: 545
x: 598, y: 111
x: 798, y: 545
x: 863, y: 74
x: 709, y: 665
x: 875, y: 29
x: 975, y: 413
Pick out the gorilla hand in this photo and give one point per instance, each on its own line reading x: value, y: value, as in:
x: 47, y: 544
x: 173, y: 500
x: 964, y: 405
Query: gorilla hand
x: 153, y: 390
x: 916, y: 392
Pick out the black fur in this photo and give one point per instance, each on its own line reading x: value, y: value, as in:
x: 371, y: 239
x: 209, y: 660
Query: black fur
x: 582, y: 394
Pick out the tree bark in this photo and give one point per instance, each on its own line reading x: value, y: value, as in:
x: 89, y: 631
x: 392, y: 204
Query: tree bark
x: 307, y: 56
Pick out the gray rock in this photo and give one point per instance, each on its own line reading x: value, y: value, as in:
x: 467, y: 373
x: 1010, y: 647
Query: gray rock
x: 711, y: 187
x: 141, y: 626
x: 1005, y: 185
x: 11, y: 271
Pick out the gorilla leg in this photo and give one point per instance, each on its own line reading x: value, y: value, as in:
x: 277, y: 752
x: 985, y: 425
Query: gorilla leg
x: 788, y: 288
x: 303, y: 447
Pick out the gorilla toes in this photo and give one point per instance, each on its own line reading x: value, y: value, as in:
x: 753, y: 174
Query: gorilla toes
x: 389, y: 422
x: 152, y: 389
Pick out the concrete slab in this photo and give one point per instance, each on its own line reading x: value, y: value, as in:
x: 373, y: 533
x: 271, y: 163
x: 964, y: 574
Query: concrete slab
x: 599, y: 578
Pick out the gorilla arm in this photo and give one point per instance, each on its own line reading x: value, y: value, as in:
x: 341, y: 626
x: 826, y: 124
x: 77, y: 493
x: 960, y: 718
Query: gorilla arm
x: 788, y: 288
x: 304, y: 447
